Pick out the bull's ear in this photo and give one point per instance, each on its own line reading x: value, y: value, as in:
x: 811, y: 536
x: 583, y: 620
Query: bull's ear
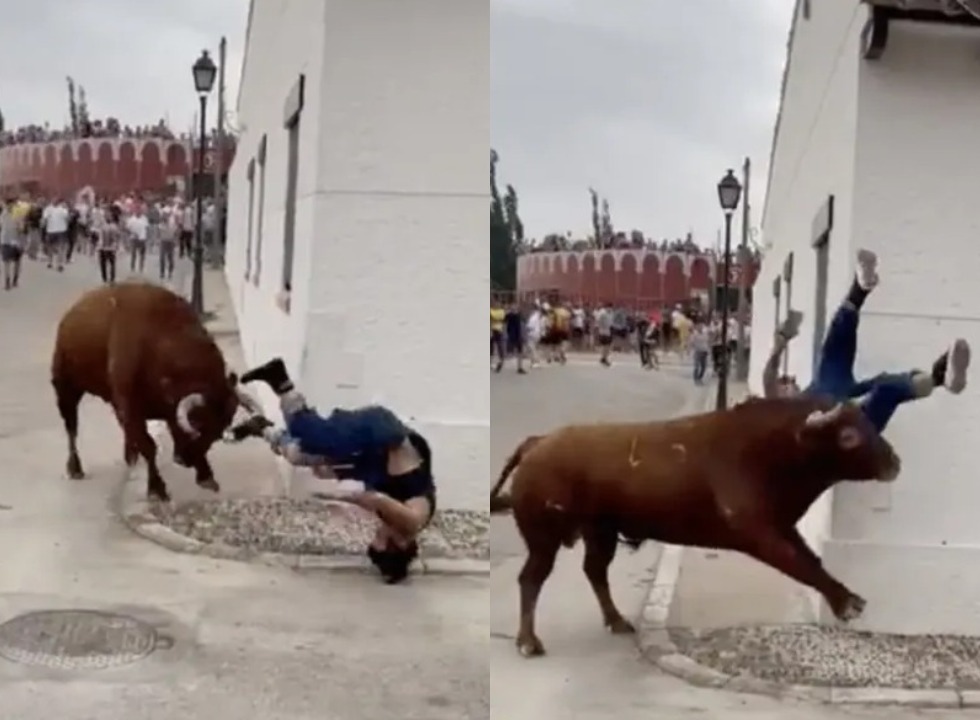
x: 849, y: 438
x: 232, y: 379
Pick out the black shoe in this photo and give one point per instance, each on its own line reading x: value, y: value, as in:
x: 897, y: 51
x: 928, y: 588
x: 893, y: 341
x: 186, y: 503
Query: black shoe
x: 273, y: 373
x: 253, y: 427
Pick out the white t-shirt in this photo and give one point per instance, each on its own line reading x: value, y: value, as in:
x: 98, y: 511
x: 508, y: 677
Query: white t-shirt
x: 56, y: 219
x: 535, y: 326
x: 138, y: 227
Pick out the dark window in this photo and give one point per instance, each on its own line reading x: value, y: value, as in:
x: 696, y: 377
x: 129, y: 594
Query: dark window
x: 260, y: 212
x: 250, y: 228
x: 823, y: 224
x: 289, y: 224
x: 805, y: 9
x: 292, y: 111
x: 777, y: 296
x: 788, y: 280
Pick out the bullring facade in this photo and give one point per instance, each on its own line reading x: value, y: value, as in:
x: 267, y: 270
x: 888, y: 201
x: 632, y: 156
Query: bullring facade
x: 110, y: 166
x: 639, y: 278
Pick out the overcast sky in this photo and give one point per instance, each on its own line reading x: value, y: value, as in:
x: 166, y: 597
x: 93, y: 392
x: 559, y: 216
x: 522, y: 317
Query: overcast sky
x: 648, y: 101
x: 133, y: 58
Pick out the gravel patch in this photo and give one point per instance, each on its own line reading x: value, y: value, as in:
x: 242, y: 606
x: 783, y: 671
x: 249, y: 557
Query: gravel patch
x: 829, y: 656
x: 309, y: 527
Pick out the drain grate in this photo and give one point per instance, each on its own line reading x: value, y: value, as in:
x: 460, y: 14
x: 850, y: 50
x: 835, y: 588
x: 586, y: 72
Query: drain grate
x: 76, y: 639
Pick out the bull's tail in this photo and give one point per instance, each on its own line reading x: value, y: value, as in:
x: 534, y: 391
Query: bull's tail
x: 500, y: 503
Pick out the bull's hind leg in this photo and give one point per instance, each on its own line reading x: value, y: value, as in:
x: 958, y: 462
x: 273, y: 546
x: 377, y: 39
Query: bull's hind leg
x: 537, y: 568
x: 68, y: 401
x: 600, y: 549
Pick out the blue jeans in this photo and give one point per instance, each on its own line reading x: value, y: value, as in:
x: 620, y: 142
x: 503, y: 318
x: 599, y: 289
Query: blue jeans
x: 700, y: 365
x: 835, y: 373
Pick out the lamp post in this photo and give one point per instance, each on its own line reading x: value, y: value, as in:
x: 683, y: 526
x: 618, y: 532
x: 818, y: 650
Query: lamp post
x: 205, y: 72
x: 729, y: 193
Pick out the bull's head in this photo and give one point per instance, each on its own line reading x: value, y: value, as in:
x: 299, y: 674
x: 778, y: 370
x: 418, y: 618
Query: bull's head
x: 847, y: 444
x: 201, y: 418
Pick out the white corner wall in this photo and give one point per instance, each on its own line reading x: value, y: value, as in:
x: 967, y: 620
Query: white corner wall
x: 813, y: 157
x: 285, y: 39
x: 913, y: 548
x: 391, y: 269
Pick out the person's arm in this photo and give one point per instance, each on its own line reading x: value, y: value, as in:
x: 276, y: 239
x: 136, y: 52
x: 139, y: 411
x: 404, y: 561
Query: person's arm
x: 770, y: 374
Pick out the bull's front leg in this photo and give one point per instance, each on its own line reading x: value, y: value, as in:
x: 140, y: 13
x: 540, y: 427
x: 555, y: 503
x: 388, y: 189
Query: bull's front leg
x: 785, y: 550
x: 205, y: 476
x: 138, y: 438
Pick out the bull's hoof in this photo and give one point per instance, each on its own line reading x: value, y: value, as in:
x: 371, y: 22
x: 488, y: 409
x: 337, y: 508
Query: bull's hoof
x: 158, y: 495
x: 620, y: 626
x: 530, y: 647
x: 131, y: 455
x: 209, y: 484
x: 852, y: 609
x: 74, y: 469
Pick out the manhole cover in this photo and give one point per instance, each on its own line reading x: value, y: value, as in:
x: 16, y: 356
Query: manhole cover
x: 76, y: 640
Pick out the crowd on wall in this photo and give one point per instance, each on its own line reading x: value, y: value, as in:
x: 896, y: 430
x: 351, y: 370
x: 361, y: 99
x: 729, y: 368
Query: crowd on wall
x: 634, y: 240
x: 110, y: 128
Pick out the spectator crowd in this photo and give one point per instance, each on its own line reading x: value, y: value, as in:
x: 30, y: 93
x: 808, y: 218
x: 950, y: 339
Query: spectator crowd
x: 109, y: 128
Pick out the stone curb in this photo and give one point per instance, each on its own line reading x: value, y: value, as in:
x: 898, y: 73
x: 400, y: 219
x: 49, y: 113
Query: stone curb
x: 136, y: 515
x: 655, y: 644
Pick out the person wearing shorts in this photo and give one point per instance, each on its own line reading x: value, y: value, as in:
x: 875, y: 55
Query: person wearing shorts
x: 13, y: 239
x: 604, y: 333
x: 381, y: 465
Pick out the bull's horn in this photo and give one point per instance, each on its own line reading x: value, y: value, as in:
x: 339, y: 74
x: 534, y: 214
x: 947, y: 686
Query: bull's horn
x: 184, y: 408
x: 819, y: 418
x: 248, y: 402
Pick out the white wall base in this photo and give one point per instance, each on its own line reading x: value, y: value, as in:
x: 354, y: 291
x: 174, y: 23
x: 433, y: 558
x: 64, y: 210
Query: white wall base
x: 910, y: 589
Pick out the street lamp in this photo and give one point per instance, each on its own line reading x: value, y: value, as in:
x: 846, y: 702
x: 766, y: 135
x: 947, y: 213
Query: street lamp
x: 729, y: 193
x: 205, y: 72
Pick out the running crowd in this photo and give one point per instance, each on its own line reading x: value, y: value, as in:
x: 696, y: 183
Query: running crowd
x: 55, y: 231
x: 544, y: 332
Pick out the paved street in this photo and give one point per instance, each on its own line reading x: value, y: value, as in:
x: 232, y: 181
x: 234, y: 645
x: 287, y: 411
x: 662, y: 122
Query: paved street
x: 248, y: 642
x: 588, y: 674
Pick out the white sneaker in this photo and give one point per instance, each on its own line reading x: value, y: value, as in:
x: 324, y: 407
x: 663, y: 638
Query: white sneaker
x: 791, y: 325
x: 957, y: 363
x: 867, y: 269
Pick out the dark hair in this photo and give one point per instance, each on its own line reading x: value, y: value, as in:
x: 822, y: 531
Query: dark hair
x: 393, y: 562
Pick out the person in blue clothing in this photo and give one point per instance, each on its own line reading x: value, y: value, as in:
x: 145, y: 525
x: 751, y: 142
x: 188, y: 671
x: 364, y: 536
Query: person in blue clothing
x: 879, y: 396
x: 383, y: 465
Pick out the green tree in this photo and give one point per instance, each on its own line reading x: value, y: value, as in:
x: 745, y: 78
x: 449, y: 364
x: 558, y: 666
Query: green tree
x: 506, y: 232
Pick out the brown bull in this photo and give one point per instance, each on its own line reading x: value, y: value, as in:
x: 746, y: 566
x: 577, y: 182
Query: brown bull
x: 736, y: 480
x: 142, y: 349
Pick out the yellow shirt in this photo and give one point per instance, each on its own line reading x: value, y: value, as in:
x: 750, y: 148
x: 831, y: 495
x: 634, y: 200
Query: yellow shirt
x: 497, y: 317
x: 563, y: 319
x: 20, y: 210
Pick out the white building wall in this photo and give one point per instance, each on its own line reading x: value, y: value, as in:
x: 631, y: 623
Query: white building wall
x: 813, y: 158
x: 391, y: 266
x: 913, y: 548
x: 285, y: 39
